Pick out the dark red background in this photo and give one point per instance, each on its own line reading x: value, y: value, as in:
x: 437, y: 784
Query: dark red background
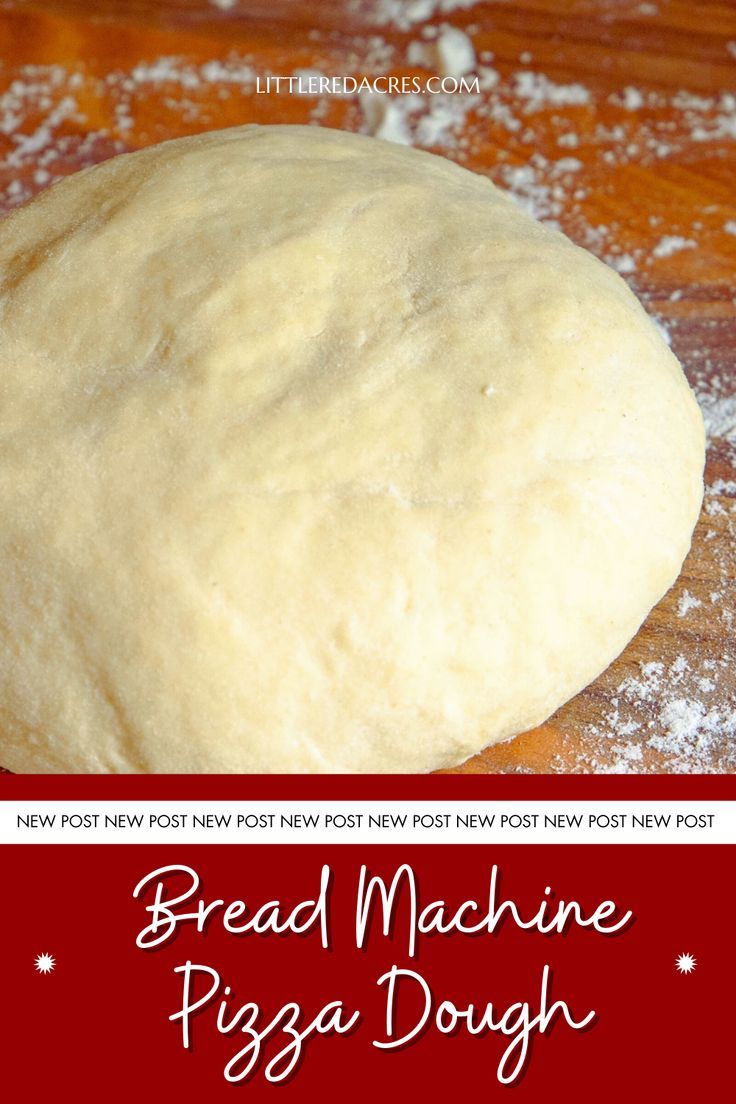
x: 97, y: 1026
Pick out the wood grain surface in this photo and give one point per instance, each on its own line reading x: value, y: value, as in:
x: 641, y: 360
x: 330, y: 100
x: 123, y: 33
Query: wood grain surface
x: 614, y: 119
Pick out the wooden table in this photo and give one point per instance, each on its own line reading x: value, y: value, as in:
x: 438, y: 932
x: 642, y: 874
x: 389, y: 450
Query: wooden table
x: 616, y: 119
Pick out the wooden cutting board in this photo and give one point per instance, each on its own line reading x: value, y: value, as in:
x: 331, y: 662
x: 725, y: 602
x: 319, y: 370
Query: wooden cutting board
x: 615, y: 119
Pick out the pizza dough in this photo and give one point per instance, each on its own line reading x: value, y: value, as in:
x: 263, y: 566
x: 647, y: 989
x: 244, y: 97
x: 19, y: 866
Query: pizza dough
x: 317, y: 454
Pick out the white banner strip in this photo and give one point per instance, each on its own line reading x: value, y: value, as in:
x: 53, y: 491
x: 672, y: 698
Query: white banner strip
x: 293, y: 822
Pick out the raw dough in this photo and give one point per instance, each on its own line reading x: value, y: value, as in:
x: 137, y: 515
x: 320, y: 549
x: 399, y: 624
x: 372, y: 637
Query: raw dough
x: 317, y: 454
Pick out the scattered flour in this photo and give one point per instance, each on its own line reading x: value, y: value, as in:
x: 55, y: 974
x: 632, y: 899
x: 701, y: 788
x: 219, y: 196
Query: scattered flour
x: 455, y: 53
x: 416, y: 119
x: 624, y: 263
x: 450, y: 53
x: 670, y: 244
x: 632, y: 99
x: 387, y: 118
x: 719, y: 413
x: 662, y: 328
x: 687, y: 602
x: 679, y: 715
x: 538, y: 92
x: 406, y: 14
x: 666, y: 715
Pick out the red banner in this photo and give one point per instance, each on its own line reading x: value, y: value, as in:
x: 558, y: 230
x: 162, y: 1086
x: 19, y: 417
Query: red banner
x: 641, y: 1009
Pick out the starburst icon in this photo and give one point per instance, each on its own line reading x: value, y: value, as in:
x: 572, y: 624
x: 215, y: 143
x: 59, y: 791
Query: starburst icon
x: 45, y: 963
x: 685, y: 963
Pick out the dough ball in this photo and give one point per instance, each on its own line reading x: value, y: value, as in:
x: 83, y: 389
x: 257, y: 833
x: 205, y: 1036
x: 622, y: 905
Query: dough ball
x: 317, y: 454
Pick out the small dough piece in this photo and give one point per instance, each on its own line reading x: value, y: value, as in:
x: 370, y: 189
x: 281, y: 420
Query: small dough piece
x: 317, y: 454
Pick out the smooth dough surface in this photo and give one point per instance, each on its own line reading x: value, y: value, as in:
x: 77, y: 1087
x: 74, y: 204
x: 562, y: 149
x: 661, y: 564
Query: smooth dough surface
x: 317, y: 454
